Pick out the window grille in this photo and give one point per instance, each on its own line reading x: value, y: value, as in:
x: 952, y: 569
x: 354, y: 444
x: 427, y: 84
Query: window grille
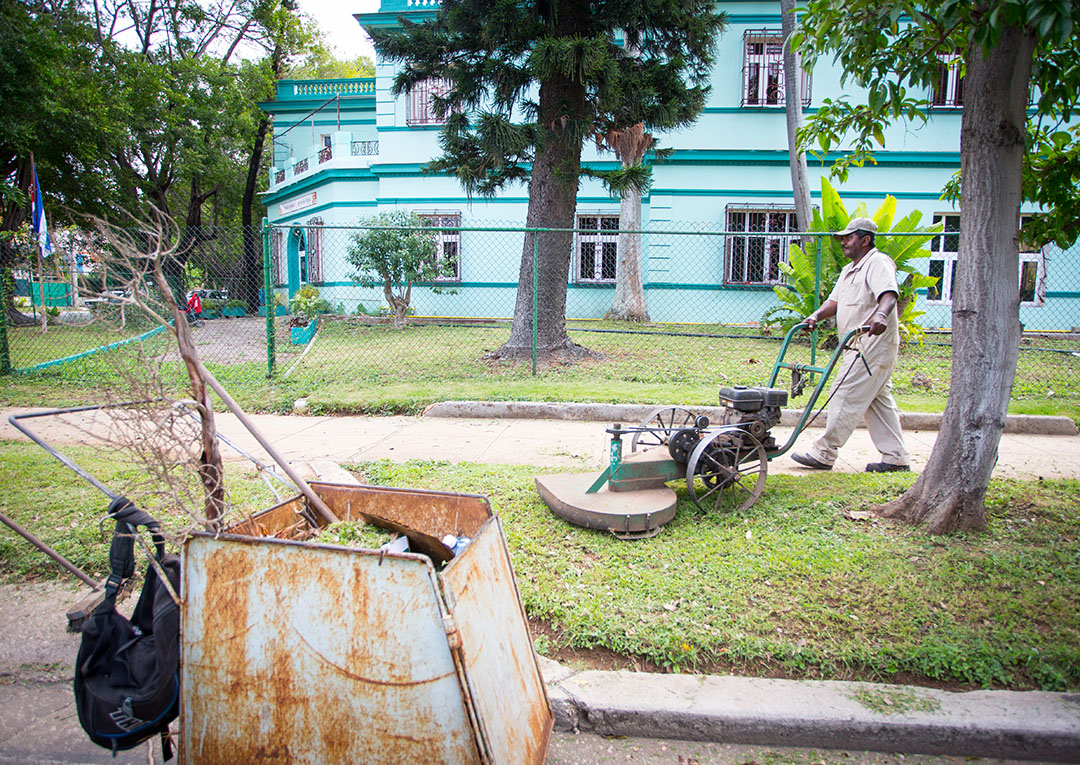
x: 763, y: 70
x: 448, y: 241
x: 420, y: 109
x: 949, y: 86
x: 314, y: 251
x: 757, y: 243
x: 597, y: 247
x: 943, y: 252
x: 277, y: 241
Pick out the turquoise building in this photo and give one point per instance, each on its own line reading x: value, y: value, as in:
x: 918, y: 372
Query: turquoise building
x: 345, y: 150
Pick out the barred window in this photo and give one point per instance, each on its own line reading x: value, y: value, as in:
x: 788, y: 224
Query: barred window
x: 277, y: 250
x: 597, y: 247
x: 448, y: 240
x: 419, y: 108
x: 944, y: 249
x: 758, y: 241
x: 949, y: 86
x: 312, y: 269
x: 763, y: 70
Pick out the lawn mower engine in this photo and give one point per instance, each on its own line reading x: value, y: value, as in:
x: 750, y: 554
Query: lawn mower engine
x: 755, y: 410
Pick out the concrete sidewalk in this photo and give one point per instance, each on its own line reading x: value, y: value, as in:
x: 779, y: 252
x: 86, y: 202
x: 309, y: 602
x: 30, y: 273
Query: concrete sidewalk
x: 37, y: 715
x: 1031, y: 447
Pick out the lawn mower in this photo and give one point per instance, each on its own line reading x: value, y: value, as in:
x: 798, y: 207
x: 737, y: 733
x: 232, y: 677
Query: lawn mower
x: 724, y: 464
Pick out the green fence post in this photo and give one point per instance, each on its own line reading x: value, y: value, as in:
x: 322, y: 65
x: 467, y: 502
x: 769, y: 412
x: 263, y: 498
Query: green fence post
x: 817, y: 298
x: 5, y: 351
x: 268, y: 298
x: 535, y: 296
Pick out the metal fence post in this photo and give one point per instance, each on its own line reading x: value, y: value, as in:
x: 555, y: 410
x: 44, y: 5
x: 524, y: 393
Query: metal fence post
x: 817, y: 297
x: 5, y: 351
x: 535, y: 296
x: 268, y: 298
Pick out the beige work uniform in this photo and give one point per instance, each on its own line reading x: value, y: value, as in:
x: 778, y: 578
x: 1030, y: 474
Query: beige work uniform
x: 857, y: 395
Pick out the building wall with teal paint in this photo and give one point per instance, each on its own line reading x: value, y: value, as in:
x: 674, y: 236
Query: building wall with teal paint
x: 733, y: 155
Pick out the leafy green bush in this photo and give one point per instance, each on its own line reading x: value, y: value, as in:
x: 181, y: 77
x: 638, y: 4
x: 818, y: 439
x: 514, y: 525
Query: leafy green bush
x: 306, y: 304
x: 236, y: 303
x: 396, y: 253
x: 797, y: 296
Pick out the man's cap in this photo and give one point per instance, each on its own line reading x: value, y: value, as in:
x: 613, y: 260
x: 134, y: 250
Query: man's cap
x: 858, y: 224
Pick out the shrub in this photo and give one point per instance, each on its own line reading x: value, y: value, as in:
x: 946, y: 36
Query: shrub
x: 797, y: 298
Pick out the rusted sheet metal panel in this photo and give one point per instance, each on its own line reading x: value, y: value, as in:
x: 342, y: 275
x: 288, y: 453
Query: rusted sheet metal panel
x: 298, y: 652
x: 504, y: 680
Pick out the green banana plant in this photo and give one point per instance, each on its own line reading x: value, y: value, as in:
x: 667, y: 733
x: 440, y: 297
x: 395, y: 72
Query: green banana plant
x: 903, y: 240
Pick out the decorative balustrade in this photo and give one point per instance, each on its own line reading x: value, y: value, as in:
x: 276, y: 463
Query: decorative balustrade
x: 300, y: 167
x: 326, y: 154
x: 345, y: 87
x: 365, y: 148
x: 279, y: 176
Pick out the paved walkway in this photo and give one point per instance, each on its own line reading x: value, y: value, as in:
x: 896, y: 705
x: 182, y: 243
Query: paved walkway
x: 37, y: 716
x: 483, y: 433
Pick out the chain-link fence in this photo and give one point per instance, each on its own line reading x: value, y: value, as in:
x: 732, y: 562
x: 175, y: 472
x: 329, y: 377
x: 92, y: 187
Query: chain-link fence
x: 428, y: 313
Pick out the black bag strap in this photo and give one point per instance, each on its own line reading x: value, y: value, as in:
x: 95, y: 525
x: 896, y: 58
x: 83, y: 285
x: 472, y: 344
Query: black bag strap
x: 121, y: 552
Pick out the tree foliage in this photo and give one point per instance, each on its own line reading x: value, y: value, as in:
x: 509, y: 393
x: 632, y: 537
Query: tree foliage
x: 528, y: 83
x: 395, y: 251
x: 1013, y: 54
x: 894, y: 50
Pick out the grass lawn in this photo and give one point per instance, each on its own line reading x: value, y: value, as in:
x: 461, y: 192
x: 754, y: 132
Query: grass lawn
x: 789, y: 588
x: 362, y: 368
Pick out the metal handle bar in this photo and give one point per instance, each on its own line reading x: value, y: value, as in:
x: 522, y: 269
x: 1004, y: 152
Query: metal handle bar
x: 825, y: 372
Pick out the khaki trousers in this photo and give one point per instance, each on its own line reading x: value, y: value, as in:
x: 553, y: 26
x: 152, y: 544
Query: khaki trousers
x: 857, y: 396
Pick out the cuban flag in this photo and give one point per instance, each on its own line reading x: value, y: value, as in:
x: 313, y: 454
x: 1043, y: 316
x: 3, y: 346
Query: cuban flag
x: 37, y: 208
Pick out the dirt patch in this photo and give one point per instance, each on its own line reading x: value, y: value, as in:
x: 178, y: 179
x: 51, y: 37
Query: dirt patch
x: 229, y: 341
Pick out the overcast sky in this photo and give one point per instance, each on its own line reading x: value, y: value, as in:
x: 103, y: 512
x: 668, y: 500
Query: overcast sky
x: 335, y: 19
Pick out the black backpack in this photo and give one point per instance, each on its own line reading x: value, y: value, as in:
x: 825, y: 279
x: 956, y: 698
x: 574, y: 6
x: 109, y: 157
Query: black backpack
x: 127, y: 675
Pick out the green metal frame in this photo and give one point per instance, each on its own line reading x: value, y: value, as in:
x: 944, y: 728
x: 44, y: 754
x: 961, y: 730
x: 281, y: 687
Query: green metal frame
x: 618, y: 471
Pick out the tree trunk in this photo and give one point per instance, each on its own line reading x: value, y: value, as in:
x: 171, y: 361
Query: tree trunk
x: 399, y: 306
x: 252, y: 239
x: 552, y: 204
x: 252, y: 266
x: 629, y: 301
x: 800, y: 186
x: 950, y: 493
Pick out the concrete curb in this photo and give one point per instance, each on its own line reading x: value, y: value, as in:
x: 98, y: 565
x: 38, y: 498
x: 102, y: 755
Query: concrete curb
x: 1029, y: 424
x: 833, y: 715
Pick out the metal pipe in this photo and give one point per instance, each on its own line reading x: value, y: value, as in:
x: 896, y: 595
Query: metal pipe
x: 71, y: 568
x: 14, y: 420
x: 315, y: 500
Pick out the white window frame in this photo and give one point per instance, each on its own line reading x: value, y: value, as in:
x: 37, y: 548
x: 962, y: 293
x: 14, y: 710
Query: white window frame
x: 277, y: 252
x: 940, y: 252
x: 447, y: 241
x: 593, y: 239
x: 1032, y: 254
x: 943, y: 248
x: 763, y: 52
x: 948, y: 91
x: 741, y: 245
x: 419, y: 110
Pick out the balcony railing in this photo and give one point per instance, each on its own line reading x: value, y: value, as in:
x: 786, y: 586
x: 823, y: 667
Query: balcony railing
x: 364, y: 148
x: 326, y: 154
x: 300, y: 167
x: 279, y: 176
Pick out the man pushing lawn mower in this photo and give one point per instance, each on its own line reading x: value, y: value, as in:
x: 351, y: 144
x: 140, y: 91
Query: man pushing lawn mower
x: 865, y: 294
